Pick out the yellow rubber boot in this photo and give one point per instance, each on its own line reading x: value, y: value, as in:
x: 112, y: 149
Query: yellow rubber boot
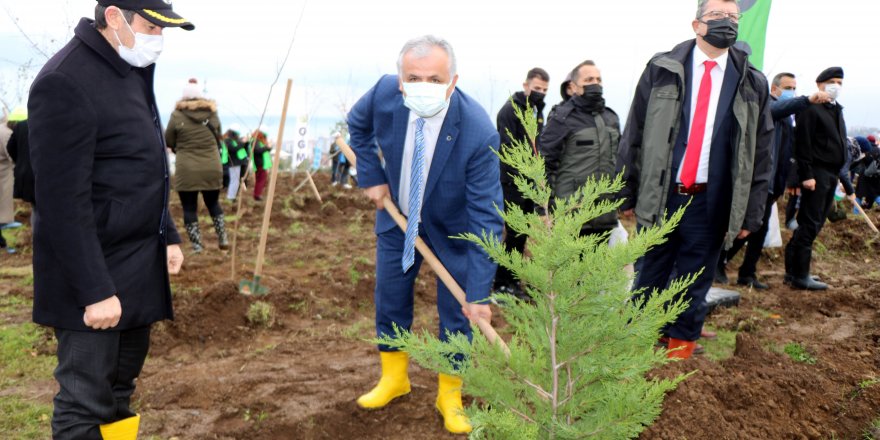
x: 449, y: 404
x: 393, y: 383
x: 125, y: 429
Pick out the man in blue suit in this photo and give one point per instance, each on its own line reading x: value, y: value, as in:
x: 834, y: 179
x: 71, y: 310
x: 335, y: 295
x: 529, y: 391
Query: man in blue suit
x: 428, y: 147
x: 699, y: 132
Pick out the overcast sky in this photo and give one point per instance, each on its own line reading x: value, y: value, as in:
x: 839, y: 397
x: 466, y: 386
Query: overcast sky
x: 342, y: 47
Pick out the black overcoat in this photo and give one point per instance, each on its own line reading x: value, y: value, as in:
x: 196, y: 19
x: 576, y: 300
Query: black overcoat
x: 101, y: 223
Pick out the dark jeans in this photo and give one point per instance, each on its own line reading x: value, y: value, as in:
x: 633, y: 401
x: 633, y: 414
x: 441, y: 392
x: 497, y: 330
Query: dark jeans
x: 693, y: 246
x: 190, y: 202
x: 96, y: 372
x: 754, y: 242
x: 342, y: 173
x: 512, y: 239
x: 811, y: 216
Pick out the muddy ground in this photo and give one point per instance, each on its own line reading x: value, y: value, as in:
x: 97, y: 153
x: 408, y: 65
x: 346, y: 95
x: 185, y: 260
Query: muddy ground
x: 213, y: 374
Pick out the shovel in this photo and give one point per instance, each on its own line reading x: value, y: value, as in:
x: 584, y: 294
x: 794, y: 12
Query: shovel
x: 254, y: 287
x: 431, y: 259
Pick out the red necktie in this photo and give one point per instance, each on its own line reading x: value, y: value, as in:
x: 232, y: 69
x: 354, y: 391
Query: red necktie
x: 698, y: 128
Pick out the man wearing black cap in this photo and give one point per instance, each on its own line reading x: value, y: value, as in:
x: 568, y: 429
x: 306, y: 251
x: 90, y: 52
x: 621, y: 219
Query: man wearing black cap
x: 822, y: 159
x: 104, y: 243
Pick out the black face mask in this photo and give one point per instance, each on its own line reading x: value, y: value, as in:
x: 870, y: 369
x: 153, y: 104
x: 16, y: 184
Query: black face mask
x: 536, y: 98
x: 721, y: 33
x: 592, y: 97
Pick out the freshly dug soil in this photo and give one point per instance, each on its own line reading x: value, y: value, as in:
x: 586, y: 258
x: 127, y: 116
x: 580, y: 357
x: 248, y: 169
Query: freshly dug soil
x: 213, y: 374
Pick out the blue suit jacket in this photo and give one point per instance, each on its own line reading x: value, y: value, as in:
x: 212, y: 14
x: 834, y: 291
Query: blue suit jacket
x: 463, y: 187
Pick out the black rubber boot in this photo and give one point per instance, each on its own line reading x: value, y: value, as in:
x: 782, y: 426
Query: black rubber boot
x: 220, y: 228
x: 195, y: 236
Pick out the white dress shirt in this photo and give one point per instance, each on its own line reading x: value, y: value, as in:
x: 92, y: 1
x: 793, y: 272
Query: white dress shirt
x: 431, y: 131
x: 717, y: 74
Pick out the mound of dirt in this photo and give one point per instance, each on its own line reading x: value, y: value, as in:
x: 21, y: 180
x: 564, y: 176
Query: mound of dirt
x: 214, y: 315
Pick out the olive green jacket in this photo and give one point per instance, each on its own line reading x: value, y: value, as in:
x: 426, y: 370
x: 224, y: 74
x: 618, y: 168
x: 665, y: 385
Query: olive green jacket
x: 198, y: 165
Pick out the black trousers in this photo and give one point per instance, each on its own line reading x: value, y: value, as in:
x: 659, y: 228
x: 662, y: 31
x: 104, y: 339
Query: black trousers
x: 96, y: 372
x: 694, y: 245
x: 791, y: 207
x: 512, y: 239
x: 754, y: 244
x: 189, y: 200
x: 811, y: 216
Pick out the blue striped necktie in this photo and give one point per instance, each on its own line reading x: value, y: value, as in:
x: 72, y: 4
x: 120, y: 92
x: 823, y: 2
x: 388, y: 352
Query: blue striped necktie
x: 415, y: 198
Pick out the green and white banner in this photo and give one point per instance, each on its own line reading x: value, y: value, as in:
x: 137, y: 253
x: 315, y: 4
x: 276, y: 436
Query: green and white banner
x: 753, y: 29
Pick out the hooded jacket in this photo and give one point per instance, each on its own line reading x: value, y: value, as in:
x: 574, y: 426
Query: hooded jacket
x: 190, y: 136
x: 652, y: 129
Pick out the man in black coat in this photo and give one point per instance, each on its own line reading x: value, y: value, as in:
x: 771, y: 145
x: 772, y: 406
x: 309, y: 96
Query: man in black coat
x: 822, y: 158
x: 511, y: 129
x: 783, y: 106
x: 19, y: 151
x: 104, y: 243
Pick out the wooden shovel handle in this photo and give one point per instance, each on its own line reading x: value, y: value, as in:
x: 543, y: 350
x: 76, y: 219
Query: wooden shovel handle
x: 865, y: 216
x: 432, y: 260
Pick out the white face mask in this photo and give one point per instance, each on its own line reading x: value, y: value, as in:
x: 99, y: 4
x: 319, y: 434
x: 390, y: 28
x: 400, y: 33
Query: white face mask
x: 146, y: 48
x: 425, y: 99
x: 833, y: 90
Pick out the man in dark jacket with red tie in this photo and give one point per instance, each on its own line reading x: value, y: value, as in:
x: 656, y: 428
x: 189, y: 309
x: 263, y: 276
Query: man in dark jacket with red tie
x: 104, y: 243
x: 699, y: 132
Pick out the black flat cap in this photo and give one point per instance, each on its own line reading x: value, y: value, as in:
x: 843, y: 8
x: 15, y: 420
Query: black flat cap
x: 829, y: 73
x: 158, y: 12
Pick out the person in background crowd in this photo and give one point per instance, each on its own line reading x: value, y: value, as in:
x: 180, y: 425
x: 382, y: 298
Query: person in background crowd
x: 580, y: 142
x: 104, y: 241
x: 7, y: 168
x: 262, y: 161
x: 509, y: 129
x: 19, y: 150
x: 868, y: 170
x: 334, y: 159
x: 699, y: 135
x: 193, y: 135
x: 238, y: 155
x: 446, y: 185
x: 822, y: 160
x: 784, y: 105
x: 342, y: 174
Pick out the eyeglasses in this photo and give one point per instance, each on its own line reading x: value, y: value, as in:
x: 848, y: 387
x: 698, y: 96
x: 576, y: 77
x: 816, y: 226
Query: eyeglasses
x: 720, y: 15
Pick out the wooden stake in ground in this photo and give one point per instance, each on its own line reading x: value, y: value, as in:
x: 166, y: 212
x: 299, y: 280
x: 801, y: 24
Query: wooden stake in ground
x: 431, y: 259
x: 254, y: 287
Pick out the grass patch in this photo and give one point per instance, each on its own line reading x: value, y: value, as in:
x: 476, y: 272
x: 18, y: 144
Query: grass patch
x: 19, y: 357
x: 873, y: 431
x: 295, y: 228
x: 23, y: 419
x: 722, y: 347
x: 354, y: 275
x: 358, y: 330
x: 261, y: 314
x: 16, y: 272
x: 13, y: 236
x: 798, y: 353
x: 13, y: 304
